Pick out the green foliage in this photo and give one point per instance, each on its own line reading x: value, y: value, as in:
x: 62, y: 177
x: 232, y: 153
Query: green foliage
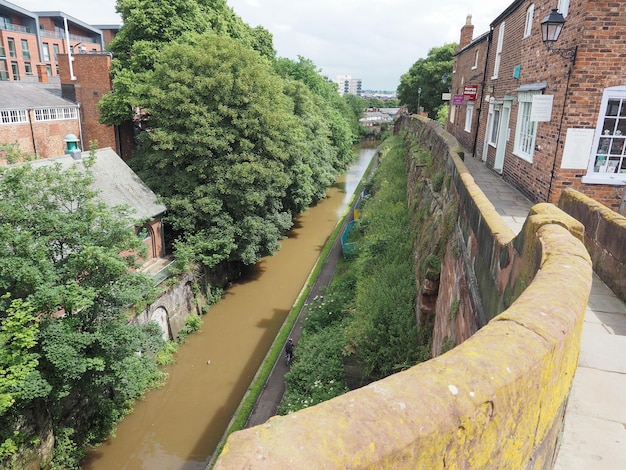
x: 454, y: 309
x: 383, y: 330
x: 18, y: 362
x: 167, y: 355
x: 442, y: 113
x: 432, y: 75
x: 447, y: 345
x: 148, y: 26
x: 192, y: 323
x: 13, y: 154
x: 66, y: 281
x: 317, y: 373
x: 437, y: 181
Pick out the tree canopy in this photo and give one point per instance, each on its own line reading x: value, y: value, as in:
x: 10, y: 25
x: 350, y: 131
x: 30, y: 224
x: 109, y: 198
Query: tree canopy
x: 433, y: 75
x: 234, y: 150
x: 67, y: 356
x: 149, y: 25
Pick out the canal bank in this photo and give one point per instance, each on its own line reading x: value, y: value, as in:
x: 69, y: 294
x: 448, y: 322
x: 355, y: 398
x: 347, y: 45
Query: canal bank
x: 179, y: 425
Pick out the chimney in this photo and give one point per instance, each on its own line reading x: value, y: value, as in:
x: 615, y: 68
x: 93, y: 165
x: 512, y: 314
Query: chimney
x: 467, y: 32
x: 42, y: 73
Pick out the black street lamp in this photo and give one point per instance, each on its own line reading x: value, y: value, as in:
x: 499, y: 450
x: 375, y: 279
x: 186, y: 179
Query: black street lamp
x: 551, y: 27
x: 419, y: 97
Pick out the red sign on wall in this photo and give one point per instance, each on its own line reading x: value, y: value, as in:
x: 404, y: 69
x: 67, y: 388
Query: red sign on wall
x: 470, y: 92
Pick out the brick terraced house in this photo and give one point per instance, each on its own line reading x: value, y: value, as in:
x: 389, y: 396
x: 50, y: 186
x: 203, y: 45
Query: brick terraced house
x: 547, y: 115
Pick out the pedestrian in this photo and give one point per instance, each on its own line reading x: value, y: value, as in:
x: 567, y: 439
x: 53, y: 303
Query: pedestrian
x: 289, y: 351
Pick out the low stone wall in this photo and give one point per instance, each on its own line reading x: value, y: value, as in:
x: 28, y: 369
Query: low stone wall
x: 171, y: 308
x: 495, y: 401
x: 605, y: 232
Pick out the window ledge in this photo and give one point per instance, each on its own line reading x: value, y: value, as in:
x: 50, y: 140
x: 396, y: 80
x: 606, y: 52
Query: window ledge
x: 524, y: 157
x: 616, y: 179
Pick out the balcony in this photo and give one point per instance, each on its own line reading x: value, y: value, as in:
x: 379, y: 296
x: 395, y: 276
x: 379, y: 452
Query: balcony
x: 73, y: 37
x: 16, y: 27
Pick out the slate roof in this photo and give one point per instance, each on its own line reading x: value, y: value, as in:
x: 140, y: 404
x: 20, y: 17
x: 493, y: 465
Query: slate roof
x: 115, y: 182
x: 20, y: 95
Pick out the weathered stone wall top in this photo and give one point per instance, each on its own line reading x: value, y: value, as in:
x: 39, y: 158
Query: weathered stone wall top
x: 605, y: 232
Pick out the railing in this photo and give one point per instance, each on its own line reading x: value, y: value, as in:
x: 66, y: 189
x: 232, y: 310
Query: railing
x: 16, y: 27
x: 162, y: 274
x: 349, y: 249
x: 61, y: 35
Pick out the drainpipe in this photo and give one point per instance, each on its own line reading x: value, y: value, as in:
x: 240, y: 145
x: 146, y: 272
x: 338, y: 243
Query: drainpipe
x: 69, y: 48
x: 558, y: 135
x: 482, y: 92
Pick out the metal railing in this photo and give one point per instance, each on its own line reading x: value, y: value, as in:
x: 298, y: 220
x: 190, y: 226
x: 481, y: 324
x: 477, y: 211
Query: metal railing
x: 73, y: 37
x: 162, y: 274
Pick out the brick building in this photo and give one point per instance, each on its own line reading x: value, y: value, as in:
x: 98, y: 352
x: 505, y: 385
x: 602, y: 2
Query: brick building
x: 31, y: 42
x: 36, y: 118
x: 547, y: 119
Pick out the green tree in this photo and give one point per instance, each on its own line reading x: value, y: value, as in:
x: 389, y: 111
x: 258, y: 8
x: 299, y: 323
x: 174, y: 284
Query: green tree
x: 66, y: 281
x: 224, y: 149
x: 148, y: 26
x: 432, y: 76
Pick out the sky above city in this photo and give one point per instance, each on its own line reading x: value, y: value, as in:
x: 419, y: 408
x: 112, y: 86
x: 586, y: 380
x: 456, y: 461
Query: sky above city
x: 374, y: 40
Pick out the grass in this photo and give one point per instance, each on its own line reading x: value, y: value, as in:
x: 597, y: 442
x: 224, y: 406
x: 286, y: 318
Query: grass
x: 258, y: 382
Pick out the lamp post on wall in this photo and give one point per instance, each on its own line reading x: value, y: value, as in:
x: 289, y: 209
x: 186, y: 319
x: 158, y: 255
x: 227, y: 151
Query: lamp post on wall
x: 419, y: 97
x: 551, y: 27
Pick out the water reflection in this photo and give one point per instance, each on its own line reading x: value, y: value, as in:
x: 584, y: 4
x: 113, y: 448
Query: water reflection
x: 180, y: 424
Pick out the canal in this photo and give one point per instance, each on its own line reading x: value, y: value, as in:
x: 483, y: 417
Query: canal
x: 179, y: 425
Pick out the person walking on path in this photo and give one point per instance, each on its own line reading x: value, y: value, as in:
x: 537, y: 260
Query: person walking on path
x: 289, y: 351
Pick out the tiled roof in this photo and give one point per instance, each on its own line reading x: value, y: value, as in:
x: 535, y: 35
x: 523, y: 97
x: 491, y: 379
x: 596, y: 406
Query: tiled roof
x: 21, y: 95
x: 115, y: 182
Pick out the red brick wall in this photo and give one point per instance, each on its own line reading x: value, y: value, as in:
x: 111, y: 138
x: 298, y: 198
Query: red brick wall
x: 92, y: 81
x: 597, y: 28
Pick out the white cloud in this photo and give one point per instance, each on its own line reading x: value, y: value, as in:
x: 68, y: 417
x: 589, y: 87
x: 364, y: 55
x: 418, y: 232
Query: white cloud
x: 375, y: 40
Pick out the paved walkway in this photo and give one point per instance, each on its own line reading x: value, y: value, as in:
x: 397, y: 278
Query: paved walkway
x: 594, y: 435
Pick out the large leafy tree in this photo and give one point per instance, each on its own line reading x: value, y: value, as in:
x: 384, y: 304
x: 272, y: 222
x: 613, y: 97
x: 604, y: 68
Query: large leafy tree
x: 431, y: 75
x: 149, y: 25
x: 69, y: 358
x: 225, y: 149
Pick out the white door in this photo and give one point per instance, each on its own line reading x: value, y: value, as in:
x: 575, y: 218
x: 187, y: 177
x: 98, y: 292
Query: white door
x: 503, y: 137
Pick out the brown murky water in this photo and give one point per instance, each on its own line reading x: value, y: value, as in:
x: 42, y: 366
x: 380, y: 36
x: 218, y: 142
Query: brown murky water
x: 179, y: 425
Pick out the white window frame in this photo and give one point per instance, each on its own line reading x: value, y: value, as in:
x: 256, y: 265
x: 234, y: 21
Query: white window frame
x: 563, y: 7
x: 452, y: 112
x: 496, y: 65
x: 45, y: 50
x: 54, y: 114
x: 13, y: 116
x: 475, y: 66
x: 469, y: 114
x: 526, y: 130
x: 530, y: 14
x: 607, y: 140
x: 494, y: 130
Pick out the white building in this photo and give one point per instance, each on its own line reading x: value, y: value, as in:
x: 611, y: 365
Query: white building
x: 348, y: 85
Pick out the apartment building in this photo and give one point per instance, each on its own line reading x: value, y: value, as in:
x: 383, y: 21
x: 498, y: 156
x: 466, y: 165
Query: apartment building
x: 348, y: 85
x: 31, y: 42
x: 547, y: 114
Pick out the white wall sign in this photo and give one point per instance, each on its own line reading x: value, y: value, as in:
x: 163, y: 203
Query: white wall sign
x: 542, y: 108
x: 577, y: 149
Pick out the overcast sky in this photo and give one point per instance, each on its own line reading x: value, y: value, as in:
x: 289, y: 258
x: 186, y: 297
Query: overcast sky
x: 374, y: 40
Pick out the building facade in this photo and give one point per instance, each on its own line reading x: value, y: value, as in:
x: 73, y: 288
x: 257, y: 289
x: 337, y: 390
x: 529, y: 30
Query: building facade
x: 31, y: 42
x: 348, y: 85
x: 547, y: 119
